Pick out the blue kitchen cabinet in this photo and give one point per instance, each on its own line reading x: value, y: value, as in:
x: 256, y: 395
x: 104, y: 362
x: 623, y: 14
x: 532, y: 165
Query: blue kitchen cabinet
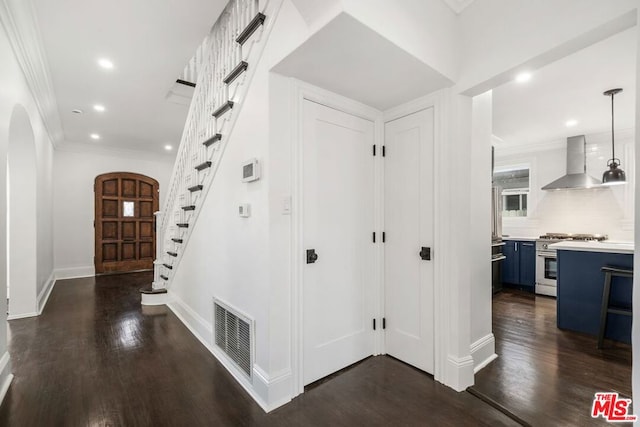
x: 519, y: 269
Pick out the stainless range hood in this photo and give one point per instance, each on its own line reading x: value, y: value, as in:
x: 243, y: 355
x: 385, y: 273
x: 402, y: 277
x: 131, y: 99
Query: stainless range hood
x: 576, y: 176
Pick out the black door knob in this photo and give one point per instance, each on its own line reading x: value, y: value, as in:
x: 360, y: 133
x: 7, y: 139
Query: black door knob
x: 425, y: 253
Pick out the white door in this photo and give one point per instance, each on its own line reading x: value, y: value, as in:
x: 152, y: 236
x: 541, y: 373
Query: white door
x: 408, y: 168
x: 338, y: 212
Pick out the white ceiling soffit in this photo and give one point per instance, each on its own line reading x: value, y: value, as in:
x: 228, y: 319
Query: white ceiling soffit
x: 149, y: 43
x: 536, y: 112
x: 350, y: 59
x: 458, y: 5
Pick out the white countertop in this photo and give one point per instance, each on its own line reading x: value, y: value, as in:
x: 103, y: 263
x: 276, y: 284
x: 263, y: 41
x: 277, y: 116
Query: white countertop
x: 606, y: 246
x: 527, y: 239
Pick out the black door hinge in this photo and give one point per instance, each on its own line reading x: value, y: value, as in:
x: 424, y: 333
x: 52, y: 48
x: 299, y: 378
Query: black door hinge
x: 384, y: 323
x: 384, y: 237
x: 374, y: 324
x: 384, y: 150
x: 374, y: 150
x: 374, y: 237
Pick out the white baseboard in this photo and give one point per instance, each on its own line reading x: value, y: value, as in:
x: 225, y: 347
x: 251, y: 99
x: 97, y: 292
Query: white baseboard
x: 269, y: 393
x: 22, y: 315
x: 43, y: 297
x: 5, y: 375
x: 75, y: 272
x: 155, y: 299
x: 459, y: 372
x: 483, y: 352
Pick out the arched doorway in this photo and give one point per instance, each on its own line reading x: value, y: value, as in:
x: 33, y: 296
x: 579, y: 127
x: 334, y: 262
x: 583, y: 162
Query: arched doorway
x: 125, y: 237
x: 21, y: 217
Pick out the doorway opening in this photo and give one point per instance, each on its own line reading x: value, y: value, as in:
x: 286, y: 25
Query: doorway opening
x: 21, y: 212
x: 125, y: 230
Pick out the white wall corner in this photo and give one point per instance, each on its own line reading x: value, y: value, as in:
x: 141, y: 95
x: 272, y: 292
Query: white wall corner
x: 43, y: 297
x: 458, y: 6
x: 274, y: 390
x: 459, y: 372
x: 74, y: 272
x: 483, y: 352
x: 21, y: 25
x: 5, y: 375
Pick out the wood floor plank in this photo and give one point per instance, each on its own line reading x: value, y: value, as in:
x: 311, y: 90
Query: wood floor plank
x: 545, y: 375
x: 95, y: 357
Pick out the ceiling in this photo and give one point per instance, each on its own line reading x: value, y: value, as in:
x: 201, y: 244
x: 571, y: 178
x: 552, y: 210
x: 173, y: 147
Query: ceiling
x: 149, y: 42
x: 348, y: 58
x: 536, y: 112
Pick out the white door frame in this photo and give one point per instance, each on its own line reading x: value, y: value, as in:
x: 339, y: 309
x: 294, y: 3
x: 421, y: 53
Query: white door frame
x: 303, y: 91
x: 449, y: 369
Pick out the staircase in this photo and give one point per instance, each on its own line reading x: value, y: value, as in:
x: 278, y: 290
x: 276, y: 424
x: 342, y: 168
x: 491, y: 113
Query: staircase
x: 232, y: 48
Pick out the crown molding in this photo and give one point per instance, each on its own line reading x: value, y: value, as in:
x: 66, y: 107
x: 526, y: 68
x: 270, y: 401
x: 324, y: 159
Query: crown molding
x: 19, y: 21
x: 105, y: 150
x: 458, y: 5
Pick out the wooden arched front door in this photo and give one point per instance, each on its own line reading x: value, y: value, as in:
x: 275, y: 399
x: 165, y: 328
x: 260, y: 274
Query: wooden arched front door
x: 125, y: 236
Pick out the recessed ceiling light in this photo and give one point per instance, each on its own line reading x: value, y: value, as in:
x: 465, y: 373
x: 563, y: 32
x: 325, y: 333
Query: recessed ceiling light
x: 99, y: 107
x: 105, y: 63
x: 94, y: 136
x: 168, y: 147
x: 571, y: 123
x: 76, y: 111
x: 523, y: 77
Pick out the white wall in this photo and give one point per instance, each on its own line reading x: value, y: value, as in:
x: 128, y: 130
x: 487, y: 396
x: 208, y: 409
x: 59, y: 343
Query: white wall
x: 599, y: 210
x: 635, y: 331
x: 16, y: 92
x: 73, y: 207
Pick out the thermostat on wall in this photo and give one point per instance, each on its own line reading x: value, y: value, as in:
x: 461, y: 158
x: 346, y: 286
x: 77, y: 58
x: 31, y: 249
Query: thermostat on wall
x: 250, y: 170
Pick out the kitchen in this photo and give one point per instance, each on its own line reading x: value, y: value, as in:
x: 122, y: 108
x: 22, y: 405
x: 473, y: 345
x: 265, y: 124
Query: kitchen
x: 555, y: 130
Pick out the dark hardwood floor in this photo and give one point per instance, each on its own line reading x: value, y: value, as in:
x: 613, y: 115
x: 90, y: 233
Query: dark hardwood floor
x: 95, y: 357
x: 544, y: 375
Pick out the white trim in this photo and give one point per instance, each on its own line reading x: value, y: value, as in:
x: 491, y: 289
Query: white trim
x: 25, y: 39
x: 203, y: 331
x: 126, y: 153
x: 458, y: 372
x: 304, y: 91
x: 74, y: 272
x: 43, y: 297
x: 5, y: 372
x: 22, y: 315
x: 483, y: 352
x: 276, y: 389
x: 155, y: 299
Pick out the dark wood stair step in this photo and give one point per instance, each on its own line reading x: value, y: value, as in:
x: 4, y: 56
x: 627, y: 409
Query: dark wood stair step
x: 251, y: 28
x: 203, y: 166
x: 173, y: 254
x: 186, y: 83
x: 163, y: 277
x: 239, y: 69
x: 183, y: 224
x: 223, y: 109
x: 215, y: 138
x: 177, y: 240
x: 195, y: 188
x: 170, y: 267
x: 189, y: 208
x: 150, y: 290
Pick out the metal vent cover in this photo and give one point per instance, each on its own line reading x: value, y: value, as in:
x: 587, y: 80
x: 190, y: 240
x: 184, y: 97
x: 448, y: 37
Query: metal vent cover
x: 234, y: 335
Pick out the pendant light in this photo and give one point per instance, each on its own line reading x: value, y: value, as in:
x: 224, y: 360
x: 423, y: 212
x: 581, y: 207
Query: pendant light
x: 614, y: 175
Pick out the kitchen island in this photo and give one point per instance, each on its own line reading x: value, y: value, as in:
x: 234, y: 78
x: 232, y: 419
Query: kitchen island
x: 580, y: 284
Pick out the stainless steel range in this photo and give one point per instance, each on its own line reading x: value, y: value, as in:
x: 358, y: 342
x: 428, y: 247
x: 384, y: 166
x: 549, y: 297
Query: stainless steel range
x: 547, y: 261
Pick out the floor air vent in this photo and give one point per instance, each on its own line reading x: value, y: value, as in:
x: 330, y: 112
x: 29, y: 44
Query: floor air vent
x: 234, y: 335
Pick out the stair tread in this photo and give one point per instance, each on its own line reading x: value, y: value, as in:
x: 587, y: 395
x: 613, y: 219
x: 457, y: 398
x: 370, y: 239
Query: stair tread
x: 150, y: 290
x: 198, y: 187
x: 169, y: 266
x: 173, y: 254
x: 177, y: 240
x: 183, y: 224
x: 255, y: 23
x: 223, y: 109
x: 215, y: 138
x: 189, y: 208
x: 203, y: 165
x: 239, y: 69
x: 164, y: 277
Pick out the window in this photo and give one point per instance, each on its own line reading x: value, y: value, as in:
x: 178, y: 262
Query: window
x: 515, y: 191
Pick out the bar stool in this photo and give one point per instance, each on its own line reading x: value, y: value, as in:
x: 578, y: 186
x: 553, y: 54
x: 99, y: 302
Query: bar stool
x: 607, y: 308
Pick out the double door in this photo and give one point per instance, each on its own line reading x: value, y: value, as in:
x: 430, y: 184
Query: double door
x: 341, y: 295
